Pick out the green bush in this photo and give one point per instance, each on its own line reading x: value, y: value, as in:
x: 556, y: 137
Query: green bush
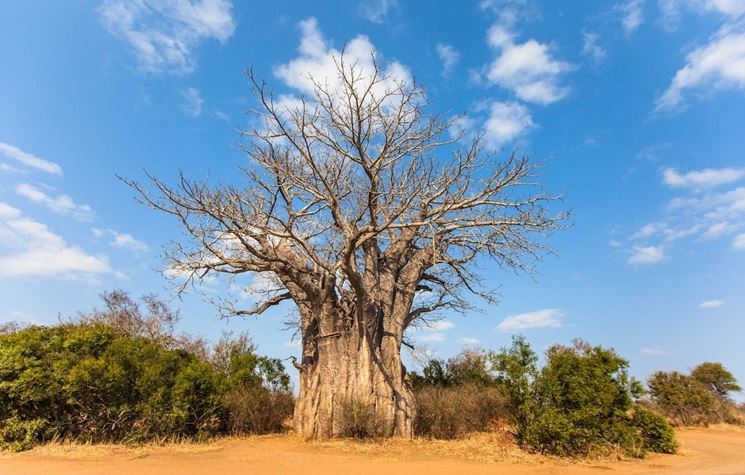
x: 701, y: 398
x: 657, y: 434
x: 93, y: 382
x: 580, y: 402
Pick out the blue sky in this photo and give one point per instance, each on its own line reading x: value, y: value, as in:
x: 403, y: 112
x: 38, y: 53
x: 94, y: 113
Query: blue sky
x: 637, y: 106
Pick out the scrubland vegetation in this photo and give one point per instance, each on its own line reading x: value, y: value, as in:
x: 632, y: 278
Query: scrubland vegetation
x: 123, y: 374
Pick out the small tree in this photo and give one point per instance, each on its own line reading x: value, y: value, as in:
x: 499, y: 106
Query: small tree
x: 363, y: 211
x: 699, y: 398
x: 716, y: 377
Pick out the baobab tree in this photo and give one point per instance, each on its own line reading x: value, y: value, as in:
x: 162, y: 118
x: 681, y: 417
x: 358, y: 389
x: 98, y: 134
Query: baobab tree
x: 369, y: 215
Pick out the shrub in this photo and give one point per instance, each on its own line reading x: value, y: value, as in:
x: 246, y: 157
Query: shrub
x: 18, y: 435
x: 91, y: 383
x: 686, y: 401
x: 516, y: 371
x: 657, y: 434
x: 258, y: 410
x: 578, y: 403
x: 451, y: 412
x: 95, y: 382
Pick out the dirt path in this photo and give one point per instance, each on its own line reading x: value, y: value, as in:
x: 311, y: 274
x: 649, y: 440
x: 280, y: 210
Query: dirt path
x: 710, y: 451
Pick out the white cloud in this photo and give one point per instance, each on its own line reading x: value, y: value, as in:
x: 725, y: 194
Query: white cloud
x: 702, y: 214
x: 317, y: 61
x: 705, y: 178
x: 632, y: 15
x: 377, y: 10
x: 671, y: 9
x: 192, y: 105
x: 508, y: 11
x: 720, y: 229
x: 711, y: 304
x: 8, y: 212
x: 506, y: 121
x: 647, y: 255
x: 548, y: 318
x: 163, y: 33
x: 592, y: 49
x: 28, y: 248
x: 29, y: 160
x: 60, y: 204
x: 122, y: 240
x: 649, y: 229
x: 449, y: 57
x: 720, y: 64
x: 527, y: 69
x: 739, y: 243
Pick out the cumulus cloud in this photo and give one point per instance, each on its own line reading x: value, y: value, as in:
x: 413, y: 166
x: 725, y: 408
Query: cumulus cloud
x: 316, y: 60
x: 632, y: 15
x: 705, y: 178
x: 29, y: 248
x: 28, y: 160
x: 711, y: 304
x: 592, y: 49
x: 717, y: 65
x: 548, y: 318
x: 192, y: 102
x: 527, y: 69
x: 642, y: 255
x: 506, y: 121
x: 163, y: 33
x: 449, y: 57
x: 60, y: 204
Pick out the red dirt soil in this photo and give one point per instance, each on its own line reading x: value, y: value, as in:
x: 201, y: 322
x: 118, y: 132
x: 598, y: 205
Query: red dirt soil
x: 718, y: 450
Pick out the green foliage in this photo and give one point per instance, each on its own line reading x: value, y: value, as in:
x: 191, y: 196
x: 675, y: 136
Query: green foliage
x: 578, y: 403
x: 657, y: 434
x: 582, y: 396
x: 470, y: 366
x: 516, y: 371
x: 94, y: 382
x: 716, y: 378
x: 700, y: 398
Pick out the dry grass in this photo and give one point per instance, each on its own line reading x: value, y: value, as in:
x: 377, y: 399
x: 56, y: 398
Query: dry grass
x: 80, y: 450
x: 482, y: 447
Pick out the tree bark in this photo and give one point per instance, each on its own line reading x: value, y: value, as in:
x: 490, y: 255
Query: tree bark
x: 344, y: 368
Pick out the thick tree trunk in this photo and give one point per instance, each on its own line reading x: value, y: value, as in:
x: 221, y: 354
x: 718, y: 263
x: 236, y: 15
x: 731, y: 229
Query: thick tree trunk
x: 345, y: 370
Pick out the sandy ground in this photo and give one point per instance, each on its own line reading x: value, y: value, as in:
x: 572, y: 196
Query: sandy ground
x: 704, y: 451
